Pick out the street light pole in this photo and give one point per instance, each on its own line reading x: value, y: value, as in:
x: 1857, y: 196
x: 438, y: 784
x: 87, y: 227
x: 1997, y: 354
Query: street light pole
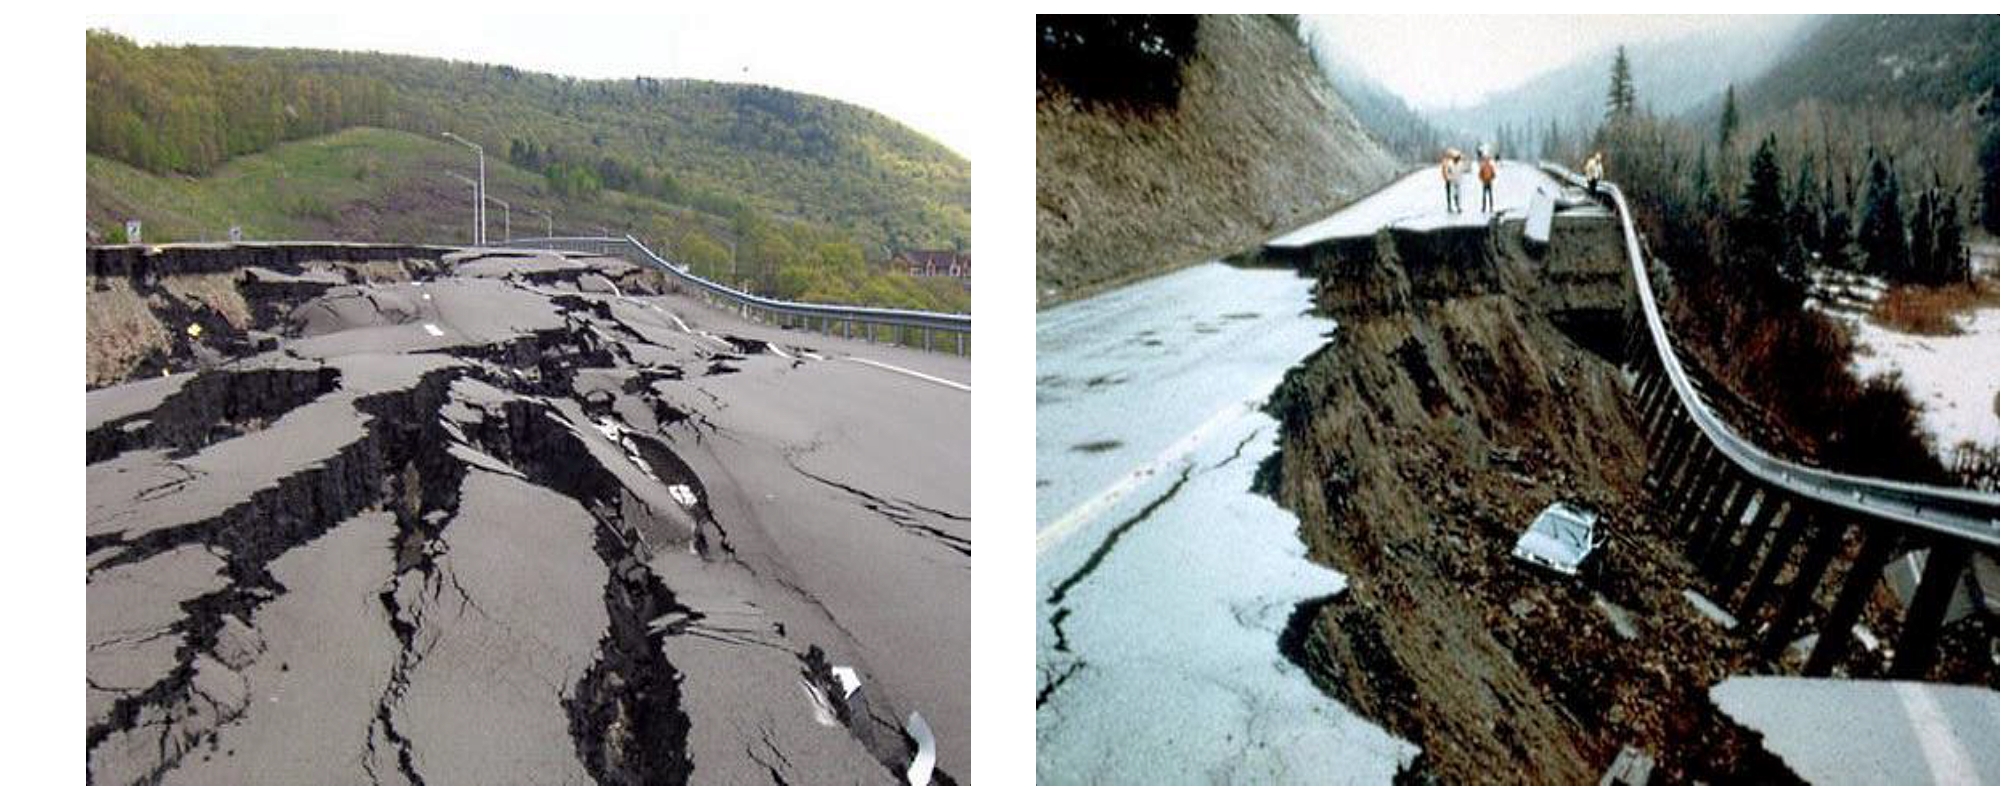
x: 476, y: 203
x: 480, y: 207
x: 507, y: 221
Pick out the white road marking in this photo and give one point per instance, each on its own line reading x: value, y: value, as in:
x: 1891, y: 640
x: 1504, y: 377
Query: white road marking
x: 920, y: 375
x: 433, y: 330
x: 1945, y: 757
x: 1067, y: 525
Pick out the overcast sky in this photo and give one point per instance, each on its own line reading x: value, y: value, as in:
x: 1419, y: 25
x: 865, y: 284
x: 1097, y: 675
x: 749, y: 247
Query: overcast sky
x: 1434, y: 62
x: 890, y: 63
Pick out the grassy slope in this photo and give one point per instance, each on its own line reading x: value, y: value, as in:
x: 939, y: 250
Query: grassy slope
x: 796, y: 155
x: 370, y: 184
x: 358, y: 184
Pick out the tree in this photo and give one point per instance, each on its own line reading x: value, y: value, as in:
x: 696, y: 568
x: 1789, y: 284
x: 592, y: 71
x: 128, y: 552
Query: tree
x: 1620, y: 93
x: 1923, y: 263
x: 1758, y: 232
x: 1952, y: 255
x: 1880, y: 230
x: 1803, y: 224
x: 1835, y: 232
x: 1727, y: 125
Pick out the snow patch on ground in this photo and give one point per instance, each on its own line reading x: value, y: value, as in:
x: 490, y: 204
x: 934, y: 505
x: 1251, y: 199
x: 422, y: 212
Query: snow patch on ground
x: 1955, y: 380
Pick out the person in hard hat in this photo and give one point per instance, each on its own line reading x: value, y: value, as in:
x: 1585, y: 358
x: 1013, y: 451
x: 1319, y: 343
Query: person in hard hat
x: 1595, y: 168
x: 1487, y: 182
x: 1449, y: 171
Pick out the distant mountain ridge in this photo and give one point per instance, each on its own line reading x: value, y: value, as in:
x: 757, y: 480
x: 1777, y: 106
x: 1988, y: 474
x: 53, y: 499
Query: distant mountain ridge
x: 1403, y: 131
x: 1933, y: 61
x: 1671, y: 77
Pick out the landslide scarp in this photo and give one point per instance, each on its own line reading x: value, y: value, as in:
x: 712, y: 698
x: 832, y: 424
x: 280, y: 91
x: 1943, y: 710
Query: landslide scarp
x: 1458, y: 397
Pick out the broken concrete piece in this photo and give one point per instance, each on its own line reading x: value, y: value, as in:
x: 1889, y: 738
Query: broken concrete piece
x: 1914, y: 733
x: 849, y: 682
x: 1620, y: 617
x: 1709, y: 609
x: 1630, y: 766
x: 927, y: 756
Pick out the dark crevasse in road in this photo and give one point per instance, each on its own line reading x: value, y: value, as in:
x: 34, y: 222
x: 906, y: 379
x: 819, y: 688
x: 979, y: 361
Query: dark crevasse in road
x: 461, y: 497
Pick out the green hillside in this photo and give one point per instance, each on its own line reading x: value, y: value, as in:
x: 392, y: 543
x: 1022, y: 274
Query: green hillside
x: 789, y: 194
x: 371, y: 183
x: 719, y: 147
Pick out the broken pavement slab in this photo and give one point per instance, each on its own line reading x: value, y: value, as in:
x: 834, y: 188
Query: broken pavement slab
x: 515, y: 497
x: 1915, y: 733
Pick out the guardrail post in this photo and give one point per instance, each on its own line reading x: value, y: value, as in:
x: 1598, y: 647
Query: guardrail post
x: 1800, y: 517
x: 1696, y: 478
x: 1864, y: 574
x: 1710, y: 553
x: 1708, y: 515
x: 927, y: 340
x: 1917, y: 643
x: 1674, y: 451
x: 1660, y: 395
x: 1821, y: 549
x: 1748, y: 548
x: 1699, y: 519
x: 959, y: 337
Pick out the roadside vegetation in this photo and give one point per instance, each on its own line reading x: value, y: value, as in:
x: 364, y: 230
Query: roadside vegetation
x: 1932, y: 311
x: 1740, y: 211
x: 789, y: 195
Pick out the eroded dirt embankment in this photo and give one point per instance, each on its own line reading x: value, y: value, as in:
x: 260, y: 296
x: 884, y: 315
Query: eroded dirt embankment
x: 1258, y: 141
x: 1448, y: 409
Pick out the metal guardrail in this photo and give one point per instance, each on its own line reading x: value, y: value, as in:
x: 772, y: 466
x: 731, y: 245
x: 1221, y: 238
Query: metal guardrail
x: 959, y: 325
x: 1971, y: 515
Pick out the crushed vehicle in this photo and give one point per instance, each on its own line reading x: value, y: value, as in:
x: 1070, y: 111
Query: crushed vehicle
x: 1560, y: 539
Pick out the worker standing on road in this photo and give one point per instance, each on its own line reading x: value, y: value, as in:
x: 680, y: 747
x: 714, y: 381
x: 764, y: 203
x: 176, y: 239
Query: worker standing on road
x: 1487, y: 183
x: 1449, y: 170
x: 1595, y: 168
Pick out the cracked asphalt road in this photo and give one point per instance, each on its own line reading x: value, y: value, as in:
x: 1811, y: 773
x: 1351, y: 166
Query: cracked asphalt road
x: 522, y: 518
x: 1163, y: 581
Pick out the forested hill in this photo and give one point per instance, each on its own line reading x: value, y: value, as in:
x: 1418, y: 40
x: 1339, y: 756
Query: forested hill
x: 1671, y: 77
x: 711, y: 146
x: 1927, y: 61
x: 1917, y: 91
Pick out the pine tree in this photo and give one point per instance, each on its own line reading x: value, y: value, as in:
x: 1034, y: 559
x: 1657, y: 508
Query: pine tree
x: 1727, y: 125
x: 1702, y: 184
x: 1880, y: 227
x: 1803, y: 218
x: 1620, y: 94
x: 1923, y: 265
x: 1953, y: 257
x: 1837, y: 233
x: 1758, y: 233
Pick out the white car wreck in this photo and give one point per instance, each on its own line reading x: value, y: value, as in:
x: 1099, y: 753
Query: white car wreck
x: 1561, y: 539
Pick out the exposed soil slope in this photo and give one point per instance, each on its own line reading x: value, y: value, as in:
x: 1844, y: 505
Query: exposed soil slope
x: 1259, y: 141
x: 1448, y: 409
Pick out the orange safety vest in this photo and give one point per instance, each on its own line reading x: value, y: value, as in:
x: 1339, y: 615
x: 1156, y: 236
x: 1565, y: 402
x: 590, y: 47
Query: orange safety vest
x: 1487, y: 170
